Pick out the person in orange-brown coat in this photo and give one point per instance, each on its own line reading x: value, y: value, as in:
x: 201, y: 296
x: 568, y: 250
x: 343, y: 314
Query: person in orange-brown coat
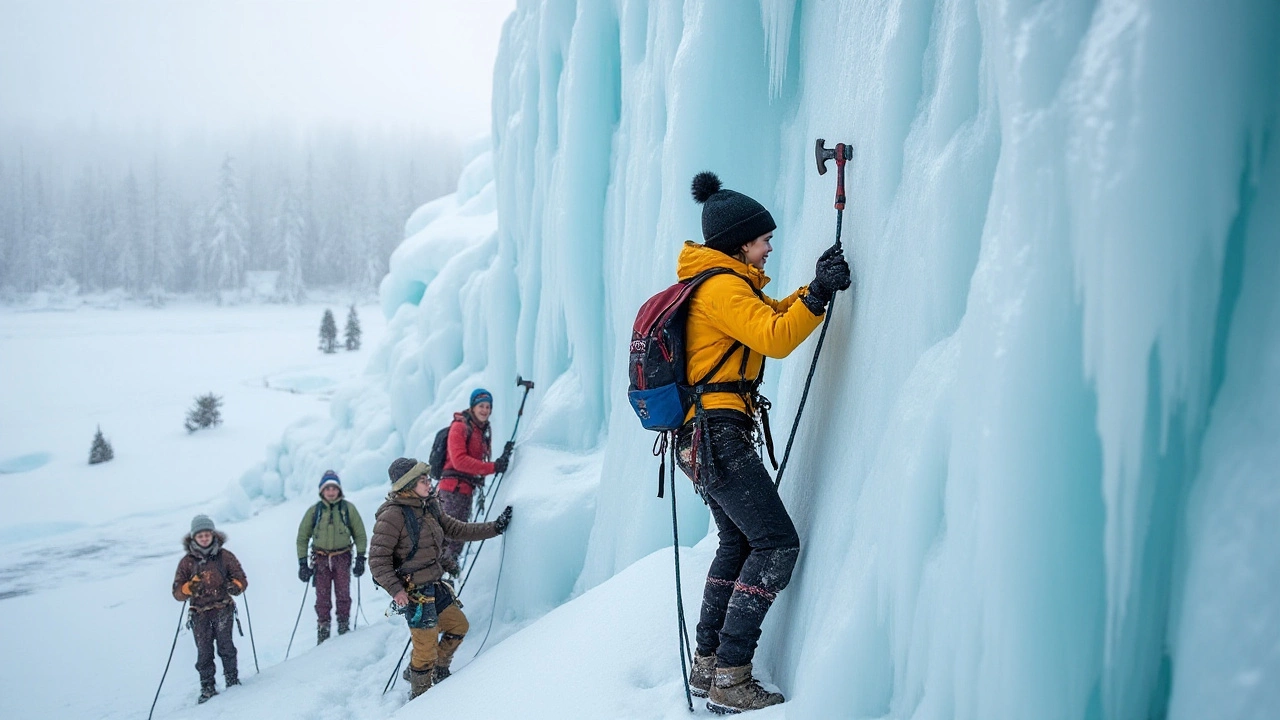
x: 209, y: 576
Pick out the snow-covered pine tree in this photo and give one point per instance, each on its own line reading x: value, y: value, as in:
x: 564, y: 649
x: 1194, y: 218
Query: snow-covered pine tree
x: 291, y: 231
x: 206, y: 413
x: 224, y: 252
x: 353, y: 329
x: 328, y: 332
x: 101, y: 450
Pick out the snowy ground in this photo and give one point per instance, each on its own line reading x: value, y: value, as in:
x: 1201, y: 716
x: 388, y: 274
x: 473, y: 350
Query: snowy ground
x: 89, y: 551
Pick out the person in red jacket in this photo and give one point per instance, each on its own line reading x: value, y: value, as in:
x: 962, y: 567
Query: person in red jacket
x: 467, y: 462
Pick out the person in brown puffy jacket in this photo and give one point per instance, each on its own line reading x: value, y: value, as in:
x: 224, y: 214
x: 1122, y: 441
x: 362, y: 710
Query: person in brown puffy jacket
x: 407, y: 558
x: 209, y: 576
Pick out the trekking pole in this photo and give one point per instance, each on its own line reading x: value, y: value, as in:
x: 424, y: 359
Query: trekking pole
x: 681, y: 629
x: 392, y: 679
x: 305, y: 590
x: 841, y: 153
x: 359, y: 607
x: 176, y: 632
x: 249, y: 616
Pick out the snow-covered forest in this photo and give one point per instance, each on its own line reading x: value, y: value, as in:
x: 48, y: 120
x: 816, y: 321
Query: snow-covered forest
x: 154, y: 213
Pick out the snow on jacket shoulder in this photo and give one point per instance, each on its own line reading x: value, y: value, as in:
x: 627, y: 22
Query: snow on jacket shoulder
x: 391, y: 542
x: 724, y: 309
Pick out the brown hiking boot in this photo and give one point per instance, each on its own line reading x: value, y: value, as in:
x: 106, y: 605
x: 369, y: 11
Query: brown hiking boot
x: 420, y: 680
x: 442, y: 672
x: 735, y: 691
x: 206, y: 692
x: 343, y: 626
x: 702, y: 674
x: 322, y: 632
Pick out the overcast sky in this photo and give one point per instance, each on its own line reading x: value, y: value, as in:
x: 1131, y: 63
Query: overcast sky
x: 219, y: 64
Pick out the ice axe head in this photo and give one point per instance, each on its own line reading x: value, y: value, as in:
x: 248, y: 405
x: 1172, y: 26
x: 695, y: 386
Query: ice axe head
x: 840, y: 153
x: 526, y: 384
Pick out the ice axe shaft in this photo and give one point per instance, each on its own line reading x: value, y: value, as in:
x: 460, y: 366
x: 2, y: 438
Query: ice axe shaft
x: 841, y: 153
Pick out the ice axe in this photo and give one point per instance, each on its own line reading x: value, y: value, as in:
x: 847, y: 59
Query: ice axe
x: 841, y: 153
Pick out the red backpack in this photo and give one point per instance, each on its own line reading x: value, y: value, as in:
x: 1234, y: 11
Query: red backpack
x: 661, y: 392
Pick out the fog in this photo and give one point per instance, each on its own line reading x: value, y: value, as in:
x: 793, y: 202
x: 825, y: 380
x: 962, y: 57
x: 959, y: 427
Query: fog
x: 171, y: 147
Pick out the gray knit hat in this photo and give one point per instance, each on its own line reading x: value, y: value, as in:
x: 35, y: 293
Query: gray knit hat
x: 729, y: 219
x: 201, y: 522
x: 404, y: 472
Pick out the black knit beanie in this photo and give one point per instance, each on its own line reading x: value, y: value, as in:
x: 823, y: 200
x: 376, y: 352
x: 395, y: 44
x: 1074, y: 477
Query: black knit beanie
x: 729, y: 219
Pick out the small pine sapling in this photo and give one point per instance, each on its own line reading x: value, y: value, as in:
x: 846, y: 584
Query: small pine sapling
x: 353, y: 330
x: 328, y: 333
x: 101, y: 451
x: 206, y: 413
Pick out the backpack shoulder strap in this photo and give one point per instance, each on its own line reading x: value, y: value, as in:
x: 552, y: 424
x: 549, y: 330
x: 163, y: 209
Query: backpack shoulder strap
x: 345, y: 513
x: 415, y: 529
x: 315, y: 516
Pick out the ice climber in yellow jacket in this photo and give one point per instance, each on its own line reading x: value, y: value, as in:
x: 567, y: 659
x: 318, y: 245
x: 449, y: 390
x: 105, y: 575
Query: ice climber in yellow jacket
x: 731, y: 328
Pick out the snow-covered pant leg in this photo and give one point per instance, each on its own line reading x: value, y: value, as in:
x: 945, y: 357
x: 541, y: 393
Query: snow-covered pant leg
x: 340, y: 568
x: 731, y: 553
x: 333, y: 582
x: 323, y: 581
x: 456, y: 505
x: 209, y: 627
x: 453, y: 628
x: 744, y: 502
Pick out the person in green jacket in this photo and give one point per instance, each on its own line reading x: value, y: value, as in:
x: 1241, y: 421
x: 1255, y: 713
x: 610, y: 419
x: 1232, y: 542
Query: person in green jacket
x: 331, y: 527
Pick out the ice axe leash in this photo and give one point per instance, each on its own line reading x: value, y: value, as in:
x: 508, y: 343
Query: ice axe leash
x: 686, y: 654
x: 841, y: 153
x: 181, y: 614
x: 305, y: 590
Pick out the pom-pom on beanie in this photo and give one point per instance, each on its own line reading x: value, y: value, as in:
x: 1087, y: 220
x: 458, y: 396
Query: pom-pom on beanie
x: 330, y: 478
x: 729, y: 219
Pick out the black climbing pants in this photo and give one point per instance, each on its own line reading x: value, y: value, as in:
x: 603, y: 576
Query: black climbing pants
x: 209, y: 626
x: 758, y: 542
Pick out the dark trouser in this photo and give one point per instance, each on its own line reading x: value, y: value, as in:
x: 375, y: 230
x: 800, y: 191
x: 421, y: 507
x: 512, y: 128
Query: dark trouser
x: 207, y: 627
x: 456, y: 505
x: 333, y: 576
x: 758, y: 543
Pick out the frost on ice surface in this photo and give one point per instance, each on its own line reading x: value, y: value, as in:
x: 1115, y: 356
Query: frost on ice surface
x: 1035, y: 474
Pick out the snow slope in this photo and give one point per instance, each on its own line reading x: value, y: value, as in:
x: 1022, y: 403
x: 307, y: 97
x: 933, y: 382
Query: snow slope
x: 1035, y: 475
x: 89, y: 551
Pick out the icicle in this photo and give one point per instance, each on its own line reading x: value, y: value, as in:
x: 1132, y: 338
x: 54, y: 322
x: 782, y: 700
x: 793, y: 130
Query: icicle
x: 776, y: 15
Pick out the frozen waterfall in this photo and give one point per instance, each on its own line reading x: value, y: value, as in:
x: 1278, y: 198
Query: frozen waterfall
x: 1032, y: 480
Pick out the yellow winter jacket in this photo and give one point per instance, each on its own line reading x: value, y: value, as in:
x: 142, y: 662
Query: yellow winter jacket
x: 724, y: 309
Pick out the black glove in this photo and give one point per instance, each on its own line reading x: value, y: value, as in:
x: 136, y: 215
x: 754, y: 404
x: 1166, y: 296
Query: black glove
x: 358, y: 568
x: 304, y: 571
x: 233, y: 588
x: 500, y: 465
x: 506, y: 449
x: 503, y: 521
x: 830, y: 275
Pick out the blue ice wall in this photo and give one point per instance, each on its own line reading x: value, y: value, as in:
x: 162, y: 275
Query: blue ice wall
x: 1036, y: 478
